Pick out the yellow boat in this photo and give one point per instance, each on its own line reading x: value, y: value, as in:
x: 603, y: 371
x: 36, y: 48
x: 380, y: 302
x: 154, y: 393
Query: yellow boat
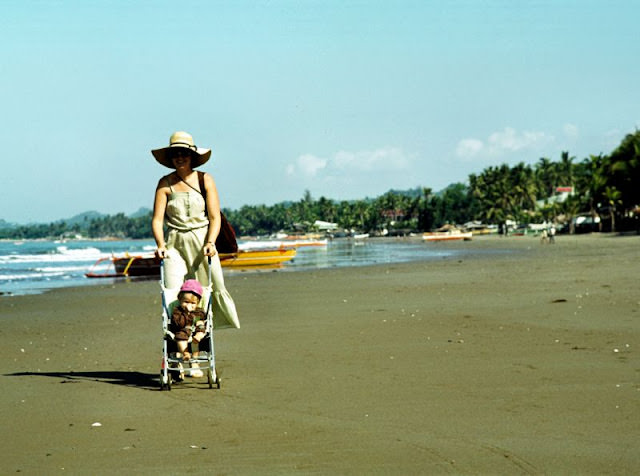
x: 149, y: 265
x: 447, y: 235
x: 257, y: 257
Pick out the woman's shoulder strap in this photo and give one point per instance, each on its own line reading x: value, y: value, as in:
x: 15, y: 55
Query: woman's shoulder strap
x: 167, y: 181
x: 203, y: 191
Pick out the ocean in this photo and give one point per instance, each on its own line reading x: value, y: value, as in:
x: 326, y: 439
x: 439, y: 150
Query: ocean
x: 34, y: 266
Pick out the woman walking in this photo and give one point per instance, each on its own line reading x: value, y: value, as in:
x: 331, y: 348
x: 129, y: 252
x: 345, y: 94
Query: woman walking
x: 187, y: 202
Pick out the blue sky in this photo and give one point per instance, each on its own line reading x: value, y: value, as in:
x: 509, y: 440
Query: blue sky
x: 346, y: 99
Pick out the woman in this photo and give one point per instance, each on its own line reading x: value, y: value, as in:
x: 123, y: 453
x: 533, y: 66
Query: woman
x: 193, y: 223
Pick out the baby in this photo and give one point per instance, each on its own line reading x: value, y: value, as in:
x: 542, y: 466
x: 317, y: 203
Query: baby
x: 187, y: 315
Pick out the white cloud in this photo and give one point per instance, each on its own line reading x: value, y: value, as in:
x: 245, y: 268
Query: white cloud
x: 468, y: 148
x: 307, y: 165
x: 387, y: 158
x: 501, y: 143
x: 571, y: 131
x: 510, y: 140
x: 347, y: 162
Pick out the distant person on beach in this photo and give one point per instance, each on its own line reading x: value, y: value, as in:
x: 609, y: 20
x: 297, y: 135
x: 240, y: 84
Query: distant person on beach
x: 552, y: 234
x: 187, y: 317
x: 544, y: 236
x: 186, y: 201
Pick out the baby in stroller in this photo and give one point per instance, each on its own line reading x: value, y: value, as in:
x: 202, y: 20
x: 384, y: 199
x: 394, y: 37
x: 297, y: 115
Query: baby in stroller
x: 188, y: 321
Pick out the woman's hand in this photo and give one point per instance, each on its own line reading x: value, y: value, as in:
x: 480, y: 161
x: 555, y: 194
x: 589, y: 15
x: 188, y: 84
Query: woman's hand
x: 210, y: 249
x: 161, y: 252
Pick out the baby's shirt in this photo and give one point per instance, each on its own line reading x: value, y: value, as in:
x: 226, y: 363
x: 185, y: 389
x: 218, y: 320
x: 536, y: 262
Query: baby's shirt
x: 182, y: 318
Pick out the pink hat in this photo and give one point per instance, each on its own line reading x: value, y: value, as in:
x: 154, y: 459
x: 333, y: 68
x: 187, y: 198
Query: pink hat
x: 192, y: 286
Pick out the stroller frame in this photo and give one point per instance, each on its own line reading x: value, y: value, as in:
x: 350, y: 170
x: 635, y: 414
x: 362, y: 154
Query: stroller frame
x: 172, y: 363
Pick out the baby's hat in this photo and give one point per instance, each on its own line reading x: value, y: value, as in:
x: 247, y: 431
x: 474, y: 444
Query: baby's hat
x: 192, y: 286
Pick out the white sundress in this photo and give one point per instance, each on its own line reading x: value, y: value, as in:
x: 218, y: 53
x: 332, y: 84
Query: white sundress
x: 188, y: 225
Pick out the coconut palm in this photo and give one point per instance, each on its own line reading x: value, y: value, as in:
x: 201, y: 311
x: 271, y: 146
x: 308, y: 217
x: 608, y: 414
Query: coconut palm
x: 590, y: 182
x: 523, y: 187
x: 546, y: 177
x: 565, y: 170
x: 623, y: 169
x: 570, y: 209
x: 614, y: 198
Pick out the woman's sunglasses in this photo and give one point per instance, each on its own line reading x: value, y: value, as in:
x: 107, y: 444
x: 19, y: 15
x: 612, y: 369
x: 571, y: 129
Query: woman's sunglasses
x: 175, y: 154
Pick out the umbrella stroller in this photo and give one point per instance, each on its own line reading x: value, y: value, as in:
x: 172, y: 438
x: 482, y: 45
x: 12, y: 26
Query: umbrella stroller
x: 174, y: 367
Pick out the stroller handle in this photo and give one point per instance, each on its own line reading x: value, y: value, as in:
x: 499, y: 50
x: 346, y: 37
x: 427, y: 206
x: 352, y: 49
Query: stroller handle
x: 162, y: 282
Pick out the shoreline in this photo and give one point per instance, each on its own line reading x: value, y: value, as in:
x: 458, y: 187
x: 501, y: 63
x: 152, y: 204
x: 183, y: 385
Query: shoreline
x: 524, y: 362
x: 481, y: 243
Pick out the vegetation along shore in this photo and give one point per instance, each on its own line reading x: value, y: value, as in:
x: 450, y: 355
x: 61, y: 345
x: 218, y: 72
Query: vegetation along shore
x: 597, y: 193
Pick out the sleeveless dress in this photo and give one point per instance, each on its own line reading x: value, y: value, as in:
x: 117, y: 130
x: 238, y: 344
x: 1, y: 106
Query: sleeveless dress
x: 187, y: 223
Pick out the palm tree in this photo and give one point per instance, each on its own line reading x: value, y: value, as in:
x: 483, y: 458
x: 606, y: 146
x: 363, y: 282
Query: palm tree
x: 623, y: 169
x: 570, y: 208
x: 590, y: 182
x: 523, y: 187
x: 613, y: 197
x: 361, y: 212
x: 565, y: 170
x: 425, y: 210
x: 546, y: 177
x: 325, y: 209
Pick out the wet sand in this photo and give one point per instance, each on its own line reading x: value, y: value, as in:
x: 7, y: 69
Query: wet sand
x: 517, y: 362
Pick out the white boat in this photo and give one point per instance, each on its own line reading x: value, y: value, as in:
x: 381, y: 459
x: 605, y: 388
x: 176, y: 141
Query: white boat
x: 361, y: 236
x: 450, y: 235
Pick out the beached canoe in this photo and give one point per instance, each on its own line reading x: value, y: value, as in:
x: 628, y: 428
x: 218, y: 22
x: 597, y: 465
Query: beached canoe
x: 149, y: 265
x: 447, y: 235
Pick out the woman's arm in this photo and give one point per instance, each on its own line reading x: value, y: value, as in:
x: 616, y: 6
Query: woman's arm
x: 157, y: 220
x: 213, y: 209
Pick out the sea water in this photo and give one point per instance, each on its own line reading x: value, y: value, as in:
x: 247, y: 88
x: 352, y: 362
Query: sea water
x: 33, y: 266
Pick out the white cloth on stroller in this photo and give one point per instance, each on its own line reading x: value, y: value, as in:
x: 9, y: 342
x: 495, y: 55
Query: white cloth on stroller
x: 224, y: 309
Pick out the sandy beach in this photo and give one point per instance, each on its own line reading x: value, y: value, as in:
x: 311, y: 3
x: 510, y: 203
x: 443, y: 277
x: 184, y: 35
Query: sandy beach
x: 516, y: 358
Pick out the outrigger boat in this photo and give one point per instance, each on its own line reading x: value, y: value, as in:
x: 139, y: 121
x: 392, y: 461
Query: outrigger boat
x: 149, y: 265
x: 449, y: 235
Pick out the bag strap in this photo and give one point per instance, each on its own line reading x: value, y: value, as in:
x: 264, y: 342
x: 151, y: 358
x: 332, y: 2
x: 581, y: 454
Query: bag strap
x: 203, y: 191
x: 226, y: 242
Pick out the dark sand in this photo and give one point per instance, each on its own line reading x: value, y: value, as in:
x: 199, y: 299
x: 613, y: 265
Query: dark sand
x: 524, y: 362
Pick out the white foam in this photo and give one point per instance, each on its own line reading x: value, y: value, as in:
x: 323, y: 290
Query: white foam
x: 60, y: 269
x: 15, y: 277
x: 260, y: 245
x: 61, y: 255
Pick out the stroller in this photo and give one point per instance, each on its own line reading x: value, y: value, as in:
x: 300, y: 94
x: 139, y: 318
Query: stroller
x: 173, y: 366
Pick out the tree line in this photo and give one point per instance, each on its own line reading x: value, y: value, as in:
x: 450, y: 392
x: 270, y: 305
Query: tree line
x: 602, y: 187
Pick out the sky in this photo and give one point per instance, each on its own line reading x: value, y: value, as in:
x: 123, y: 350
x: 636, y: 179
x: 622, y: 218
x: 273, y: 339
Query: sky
x: 345, y: 99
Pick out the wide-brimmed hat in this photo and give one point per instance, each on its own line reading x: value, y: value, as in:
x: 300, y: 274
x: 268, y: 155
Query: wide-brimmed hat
x: 184, y: 140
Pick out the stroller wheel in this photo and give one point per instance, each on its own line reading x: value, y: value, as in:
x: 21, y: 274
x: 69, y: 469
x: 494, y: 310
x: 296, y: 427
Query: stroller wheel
x: 213, y: 381
x: 210, y: 377
x: 165, y: 382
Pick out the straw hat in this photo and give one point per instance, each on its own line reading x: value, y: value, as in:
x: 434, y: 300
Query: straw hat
x: 184, y: 140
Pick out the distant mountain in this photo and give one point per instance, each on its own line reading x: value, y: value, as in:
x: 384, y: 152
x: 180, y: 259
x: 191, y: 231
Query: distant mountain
x: 6, y: 224
x: 82, y: 219
x: 411, y: 193
x: 142, y: 212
